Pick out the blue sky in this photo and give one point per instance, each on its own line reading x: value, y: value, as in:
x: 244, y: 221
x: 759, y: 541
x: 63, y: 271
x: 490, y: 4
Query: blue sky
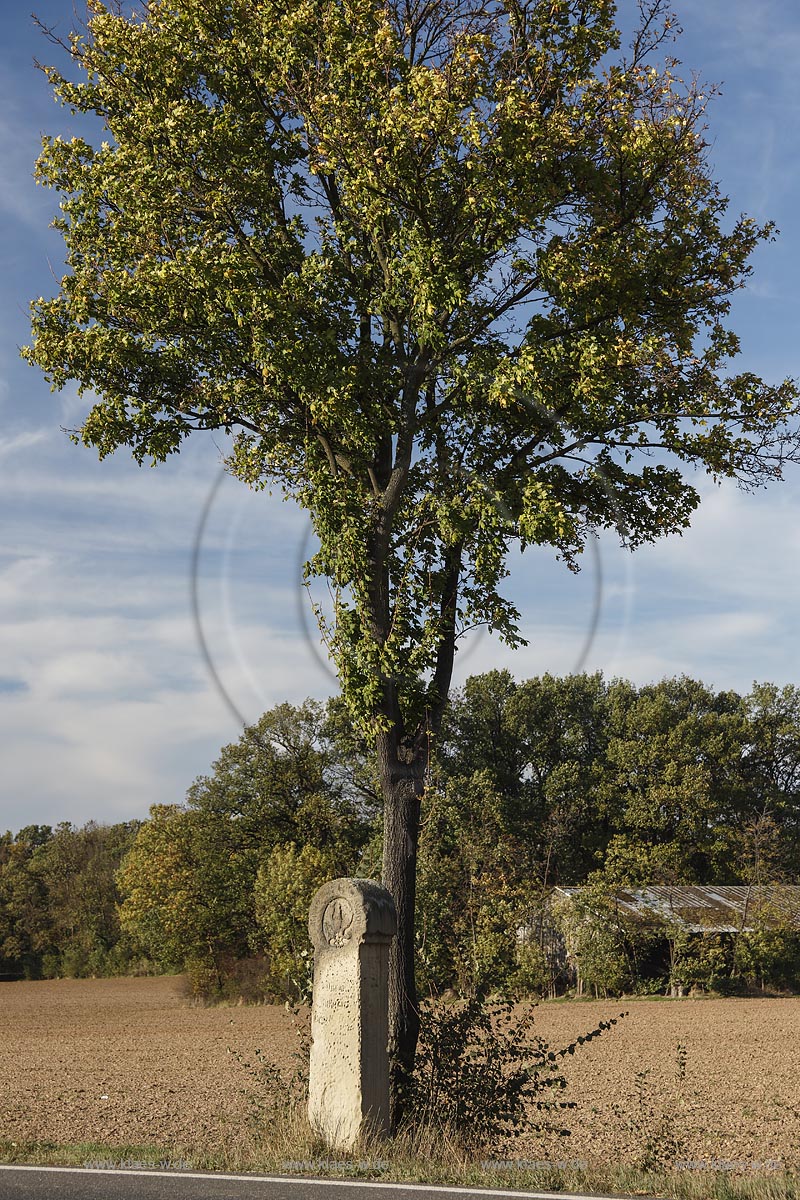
x: 107, y: 703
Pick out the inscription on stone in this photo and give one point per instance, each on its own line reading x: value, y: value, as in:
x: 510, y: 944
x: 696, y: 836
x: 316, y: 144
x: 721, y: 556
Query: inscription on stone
x: 351, y: 922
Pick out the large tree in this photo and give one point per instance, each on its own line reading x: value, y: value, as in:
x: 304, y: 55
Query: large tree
x: 188, y: 881
x: 454, y: 272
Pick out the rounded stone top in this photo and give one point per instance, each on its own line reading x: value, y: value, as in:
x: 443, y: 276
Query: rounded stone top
x: 346, y: 912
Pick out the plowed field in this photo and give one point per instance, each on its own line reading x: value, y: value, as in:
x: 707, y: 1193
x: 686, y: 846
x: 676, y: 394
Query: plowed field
x: 129, y: 1061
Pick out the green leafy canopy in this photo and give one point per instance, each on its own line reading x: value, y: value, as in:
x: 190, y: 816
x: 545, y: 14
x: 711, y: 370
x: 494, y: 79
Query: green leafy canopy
x: 454, y: 272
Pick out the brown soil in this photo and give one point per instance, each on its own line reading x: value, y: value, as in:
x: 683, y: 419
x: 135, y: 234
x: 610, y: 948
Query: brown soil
x: 739, y: 1100
x: 128, y: 1061
x: 131, y: 1062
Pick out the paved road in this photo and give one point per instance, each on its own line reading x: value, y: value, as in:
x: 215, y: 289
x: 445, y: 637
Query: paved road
x: 75, y: 1183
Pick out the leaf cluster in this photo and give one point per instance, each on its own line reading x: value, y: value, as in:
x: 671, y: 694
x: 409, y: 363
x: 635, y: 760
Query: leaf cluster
x: 456, y: 274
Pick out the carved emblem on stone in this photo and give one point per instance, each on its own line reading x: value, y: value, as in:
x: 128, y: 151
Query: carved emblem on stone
x: 337, y: 922
x: 351, y: 923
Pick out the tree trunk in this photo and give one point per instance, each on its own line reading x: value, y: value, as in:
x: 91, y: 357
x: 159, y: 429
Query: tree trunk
x: 402, y: 763
x: 402, y: 773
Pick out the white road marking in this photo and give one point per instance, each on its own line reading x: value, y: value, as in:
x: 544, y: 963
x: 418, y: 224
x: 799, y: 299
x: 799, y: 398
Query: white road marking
x: 298, y: 1179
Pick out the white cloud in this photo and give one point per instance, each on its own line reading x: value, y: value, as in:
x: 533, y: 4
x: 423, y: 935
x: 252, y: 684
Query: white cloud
x: 119, y: 715
x: 109, y: 704
x: 741, y: 548
x: 114, y: 707
x: 21, y: 441
x: 718, y: 603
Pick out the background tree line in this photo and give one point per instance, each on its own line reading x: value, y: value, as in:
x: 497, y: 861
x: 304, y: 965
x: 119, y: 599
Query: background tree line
x: 549, y: 781
x: 450, y: 273
x: 59, y: 901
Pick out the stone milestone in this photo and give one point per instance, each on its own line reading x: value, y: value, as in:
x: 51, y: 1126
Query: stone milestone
x: 352, y: 923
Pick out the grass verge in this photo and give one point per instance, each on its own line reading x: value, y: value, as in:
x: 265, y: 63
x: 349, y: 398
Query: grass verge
x: 291, y: 1148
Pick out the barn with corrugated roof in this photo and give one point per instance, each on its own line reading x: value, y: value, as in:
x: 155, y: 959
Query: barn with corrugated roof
x: 704, y: 908
x: 669, y: 916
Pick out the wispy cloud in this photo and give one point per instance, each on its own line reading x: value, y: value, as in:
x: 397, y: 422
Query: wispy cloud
x: 22, y: 441
x: 110, y: 705
x: 107, y: 703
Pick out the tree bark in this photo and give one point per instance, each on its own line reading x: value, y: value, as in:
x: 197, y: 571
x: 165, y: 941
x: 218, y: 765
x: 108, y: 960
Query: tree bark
x: 402, y: 772
x: 402, y: 765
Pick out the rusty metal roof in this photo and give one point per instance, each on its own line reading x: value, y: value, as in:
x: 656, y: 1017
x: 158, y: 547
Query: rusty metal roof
x: 711, y: 908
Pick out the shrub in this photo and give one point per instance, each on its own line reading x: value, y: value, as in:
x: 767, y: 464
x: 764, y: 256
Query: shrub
x: 701, y: 960
x: 285, y: 886
x: 483, y: 1074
